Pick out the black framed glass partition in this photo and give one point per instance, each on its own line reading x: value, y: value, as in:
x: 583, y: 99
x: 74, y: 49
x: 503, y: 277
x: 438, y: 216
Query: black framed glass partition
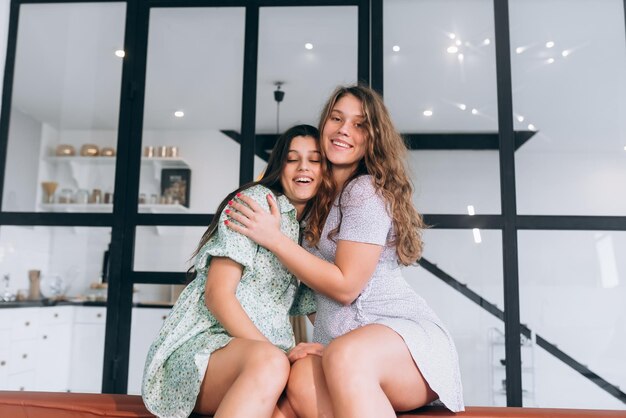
x: 517, y: 150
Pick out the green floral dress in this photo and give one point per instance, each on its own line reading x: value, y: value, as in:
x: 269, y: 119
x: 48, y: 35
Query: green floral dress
x: 178, y: 358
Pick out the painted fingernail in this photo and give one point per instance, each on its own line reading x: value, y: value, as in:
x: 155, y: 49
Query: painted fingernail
x: 238, y: 194
x: 227, y: 211
x: 230, y: 202
x: 226, y: 222
x: 270, y: 196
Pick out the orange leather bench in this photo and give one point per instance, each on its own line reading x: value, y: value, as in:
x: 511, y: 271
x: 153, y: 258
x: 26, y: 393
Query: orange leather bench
x: 83, y: 405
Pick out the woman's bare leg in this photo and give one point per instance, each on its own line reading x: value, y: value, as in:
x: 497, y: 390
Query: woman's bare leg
x: 370, y: 373
x: 283, y: 408
x: 243, y: 379
x: 306, y: 389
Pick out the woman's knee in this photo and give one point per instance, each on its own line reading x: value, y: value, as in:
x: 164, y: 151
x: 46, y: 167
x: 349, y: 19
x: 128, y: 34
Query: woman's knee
x: 343, y: 356
x: 268, y: 363
x: 306, y: 389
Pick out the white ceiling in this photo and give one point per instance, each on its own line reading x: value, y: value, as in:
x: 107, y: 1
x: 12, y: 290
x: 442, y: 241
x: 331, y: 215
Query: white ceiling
x: 67, y: 75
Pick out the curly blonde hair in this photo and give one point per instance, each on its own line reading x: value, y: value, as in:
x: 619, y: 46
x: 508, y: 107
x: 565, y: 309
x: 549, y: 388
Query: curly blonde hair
x: 385, y: 161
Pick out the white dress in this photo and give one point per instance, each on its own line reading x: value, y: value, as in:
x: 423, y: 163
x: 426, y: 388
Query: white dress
x: 387, y: 298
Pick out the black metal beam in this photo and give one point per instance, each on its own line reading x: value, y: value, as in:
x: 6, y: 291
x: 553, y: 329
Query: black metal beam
x: 438, y: 221
x: 7, y: 91
x: 508, y: 204
x: 248, y: 111
x: 415, y: 141
x: 56, y: 219
x: 377, y: 46
x: 462, y: 288
x: 127, y: 169
x: 159, y: 277
x: 363, y: 56
x: 173, y: 219
x: 461, y: 140
x: 572, y: 223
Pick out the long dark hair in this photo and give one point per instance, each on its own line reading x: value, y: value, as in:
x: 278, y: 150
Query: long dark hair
x: 270, y: 179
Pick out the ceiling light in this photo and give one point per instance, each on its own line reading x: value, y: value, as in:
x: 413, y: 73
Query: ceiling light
x: 179, y: 113
x: 458, y: 42
x: 308, y: 45
x: 477, y: 238
x: 550, y: 60
x: 566, y: 52
x: 625, y: 148
x: 120, y: 53
x: 452, y: 49
x: 520, y: 118
x: 532, y: 127
x: 462, y: 106
x: 451, y: 35
x: 487, y: 41
x: 520, y: 49
x: 549, y: 44
x: 474, y: 111
x: 395, y: 48
x: 428, y: 112
x: 470, y: 210
x: 460, y: 57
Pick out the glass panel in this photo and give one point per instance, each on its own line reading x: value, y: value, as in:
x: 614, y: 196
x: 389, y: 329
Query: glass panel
x: 479, y: 336
x: 572, y: 295
x: 166, y: 248
x: 192, y: 108
x: 57, y: 264
x: 65, y: 106
x: 295, y: 53
x: 569, y: 83
x: 440, y: 87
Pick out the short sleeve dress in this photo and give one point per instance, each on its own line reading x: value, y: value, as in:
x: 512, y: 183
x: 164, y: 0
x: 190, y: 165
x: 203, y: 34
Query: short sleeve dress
x: 387, y: 298
x: 178, y: 358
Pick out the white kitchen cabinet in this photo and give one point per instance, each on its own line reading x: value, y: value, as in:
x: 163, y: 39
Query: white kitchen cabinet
x: 34, y: 348
x: 54, y: 348
x: 21, y: 354
x: 145, y: 326
x: 87, y: 352
x: 5, y: 339
x: 61, y: 348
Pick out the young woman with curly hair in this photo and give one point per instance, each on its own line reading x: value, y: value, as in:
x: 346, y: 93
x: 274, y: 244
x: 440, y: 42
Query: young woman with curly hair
x: 378, y: 348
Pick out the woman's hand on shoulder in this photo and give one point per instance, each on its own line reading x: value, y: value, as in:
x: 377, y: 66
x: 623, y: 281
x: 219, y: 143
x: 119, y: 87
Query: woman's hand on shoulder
x: 304, y: 349
x: 255, y: 222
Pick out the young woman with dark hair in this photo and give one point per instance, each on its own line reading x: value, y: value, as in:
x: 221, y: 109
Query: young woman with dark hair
x: 222, y: 349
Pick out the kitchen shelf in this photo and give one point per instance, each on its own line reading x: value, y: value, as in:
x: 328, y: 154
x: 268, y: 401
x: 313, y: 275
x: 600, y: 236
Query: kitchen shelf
x: 108, y: 207
x: 163, y: 162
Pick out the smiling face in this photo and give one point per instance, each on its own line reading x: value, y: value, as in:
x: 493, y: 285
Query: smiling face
x: 344, y: 136
x: 302, y: 171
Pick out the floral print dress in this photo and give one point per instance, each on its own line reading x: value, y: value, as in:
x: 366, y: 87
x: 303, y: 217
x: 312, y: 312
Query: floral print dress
x: 178, y: 358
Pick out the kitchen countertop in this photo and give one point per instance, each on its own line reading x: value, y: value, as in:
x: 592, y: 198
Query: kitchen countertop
x: 47, y: 302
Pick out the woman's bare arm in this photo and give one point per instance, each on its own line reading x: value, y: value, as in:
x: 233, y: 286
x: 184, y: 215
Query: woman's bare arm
x: 221, y: 284
x: 343, y: 281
